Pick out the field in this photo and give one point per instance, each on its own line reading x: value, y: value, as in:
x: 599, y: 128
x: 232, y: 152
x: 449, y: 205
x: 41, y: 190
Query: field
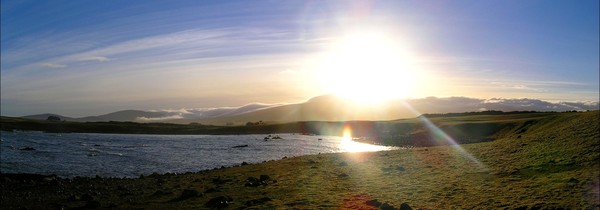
x: 520, y: 161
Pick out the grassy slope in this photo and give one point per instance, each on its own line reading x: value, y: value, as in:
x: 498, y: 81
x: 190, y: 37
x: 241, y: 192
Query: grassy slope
x: 545, y: 161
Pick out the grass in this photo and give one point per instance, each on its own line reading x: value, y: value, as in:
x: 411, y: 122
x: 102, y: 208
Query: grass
x: 539, y: 161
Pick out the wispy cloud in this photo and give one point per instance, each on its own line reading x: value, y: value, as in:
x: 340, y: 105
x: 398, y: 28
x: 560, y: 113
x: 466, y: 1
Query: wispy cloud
x: 95, y: 58
x: 53, y: 65
x: 150, y: 119
x: 464, y: 104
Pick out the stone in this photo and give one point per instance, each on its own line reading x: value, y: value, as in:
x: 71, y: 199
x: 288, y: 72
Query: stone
x: 188, y: 193
x: 405, y: 206
x: 387, y: 206
x: 92, y: 204
x: 258, y: 201
x: 373, y: 202
x: 219, y: 202
x: 87, y: 197
x: 254, y: 182
x: 161, y: 193
x: 212, y: 190
x: 264, y: 178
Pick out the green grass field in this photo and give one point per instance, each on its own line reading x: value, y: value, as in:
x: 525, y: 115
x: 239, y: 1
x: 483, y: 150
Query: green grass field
x: 528, y: 161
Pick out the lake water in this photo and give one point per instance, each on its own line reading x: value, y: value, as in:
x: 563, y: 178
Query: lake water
x: 127, y: 155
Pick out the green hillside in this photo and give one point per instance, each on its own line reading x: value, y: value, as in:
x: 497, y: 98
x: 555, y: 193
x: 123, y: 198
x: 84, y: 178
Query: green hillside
x: 542, y: 161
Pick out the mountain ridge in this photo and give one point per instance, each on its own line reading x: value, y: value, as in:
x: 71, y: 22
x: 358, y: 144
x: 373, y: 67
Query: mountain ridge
x: 328, y: 108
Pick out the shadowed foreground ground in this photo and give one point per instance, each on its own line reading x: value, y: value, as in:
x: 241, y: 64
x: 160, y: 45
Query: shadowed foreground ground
x: 554, y: 164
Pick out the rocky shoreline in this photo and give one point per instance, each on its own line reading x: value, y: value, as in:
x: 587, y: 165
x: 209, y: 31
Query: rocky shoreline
x: 419, y: 178
x: 209, y: 189
x: 549, y: 164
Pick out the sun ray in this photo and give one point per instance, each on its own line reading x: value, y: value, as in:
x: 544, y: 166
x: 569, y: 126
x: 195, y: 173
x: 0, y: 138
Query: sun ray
x: 367, y: 67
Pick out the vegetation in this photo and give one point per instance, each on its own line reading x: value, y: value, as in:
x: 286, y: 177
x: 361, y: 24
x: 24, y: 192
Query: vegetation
x: 532, y: 161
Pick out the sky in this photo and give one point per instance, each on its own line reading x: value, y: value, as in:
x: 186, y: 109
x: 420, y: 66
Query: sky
x: 82, y: 58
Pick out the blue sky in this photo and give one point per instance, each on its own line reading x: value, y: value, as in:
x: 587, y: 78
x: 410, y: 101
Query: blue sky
x: 83, y: 58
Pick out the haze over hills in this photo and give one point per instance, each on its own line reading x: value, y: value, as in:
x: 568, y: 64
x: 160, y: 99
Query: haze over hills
x: 329, y: 108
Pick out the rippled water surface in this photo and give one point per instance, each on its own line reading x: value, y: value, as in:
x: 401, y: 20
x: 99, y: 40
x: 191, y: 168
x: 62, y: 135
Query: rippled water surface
x: 126, y: 155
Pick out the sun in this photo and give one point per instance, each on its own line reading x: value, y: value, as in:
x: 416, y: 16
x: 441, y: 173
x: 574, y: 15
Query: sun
x: 367, y: 67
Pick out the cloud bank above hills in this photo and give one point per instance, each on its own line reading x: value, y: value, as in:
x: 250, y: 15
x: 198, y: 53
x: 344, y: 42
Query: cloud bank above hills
x: 332, y: 108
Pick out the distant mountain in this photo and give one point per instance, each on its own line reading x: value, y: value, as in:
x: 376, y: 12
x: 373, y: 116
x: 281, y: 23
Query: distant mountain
x: 330, y: 108
x: 161, y: 115
x: 46, y: 115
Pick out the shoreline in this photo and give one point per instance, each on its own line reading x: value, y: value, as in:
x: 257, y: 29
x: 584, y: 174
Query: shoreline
x: 541, y: 163
x: 418, y: 178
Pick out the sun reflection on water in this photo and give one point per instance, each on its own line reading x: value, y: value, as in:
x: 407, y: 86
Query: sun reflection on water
x: 347, y: 144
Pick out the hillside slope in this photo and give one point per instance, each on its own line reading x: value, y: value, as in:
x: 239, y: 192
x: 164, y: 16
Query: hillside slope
x: 550, y: 162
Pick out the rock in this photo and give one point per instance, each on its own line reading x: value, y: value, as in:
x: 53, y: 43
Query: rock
x: 387, y: 206
x: 161, y: 193
x: 264, y: 178
x: 212, y: 190
x: 240, y: 146
x: 218, y: 180
x: 405, y: 206
x: 87, y: 197
x: 254, y: 182
x: 27, y: 149
x: 74, y: 198
x: 92, y: 204
x: 536, y: 207
x: 258, y: 201
x: 189, y: 193
x: 244, y: 163
x: 219, y: 202
x: 373, y: 202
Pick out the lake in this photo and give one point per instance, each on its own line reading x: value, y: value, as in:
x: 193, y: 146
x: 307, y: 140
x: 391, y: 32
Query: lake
x: 131, y: 155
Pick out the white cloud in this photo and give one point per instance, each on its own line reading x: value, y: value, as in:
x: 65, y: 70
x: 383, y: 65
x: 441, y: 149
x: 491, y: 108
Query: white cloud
x: 462, y: 104
x: 95, y: 58
x: 148, y: 119
x: 53, y: 65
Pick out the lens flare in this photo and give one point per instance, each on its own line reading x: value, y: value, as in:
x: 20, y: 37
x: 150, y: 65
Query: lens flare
x: 444, y: 136
x: 347, y: 144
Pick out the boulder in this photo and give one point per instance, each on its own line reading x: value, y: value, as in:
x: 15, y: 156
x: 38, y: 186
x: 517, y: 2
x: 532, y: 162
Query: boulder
x: 254, y: 182
x: 212, y: 190
x: 188, y: 193
x: 258, y: 201
x: 92, y: 204
x: 219, y: 202
x: 264, y: 178
x: 373, y: 202
x: 387, y: 206
x: 405, y: 206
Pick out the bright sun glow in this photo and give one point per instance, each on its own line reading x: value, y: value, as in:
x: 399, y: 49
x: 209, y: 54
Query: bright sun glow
x: 367, y: 67
x: 349, y: 145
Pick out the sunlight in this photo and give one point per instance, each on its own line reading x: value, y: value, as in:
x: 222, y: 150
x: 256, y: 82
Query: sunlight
x: 367, y: 67
x: 445, y: 137
x: 349, y: 145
